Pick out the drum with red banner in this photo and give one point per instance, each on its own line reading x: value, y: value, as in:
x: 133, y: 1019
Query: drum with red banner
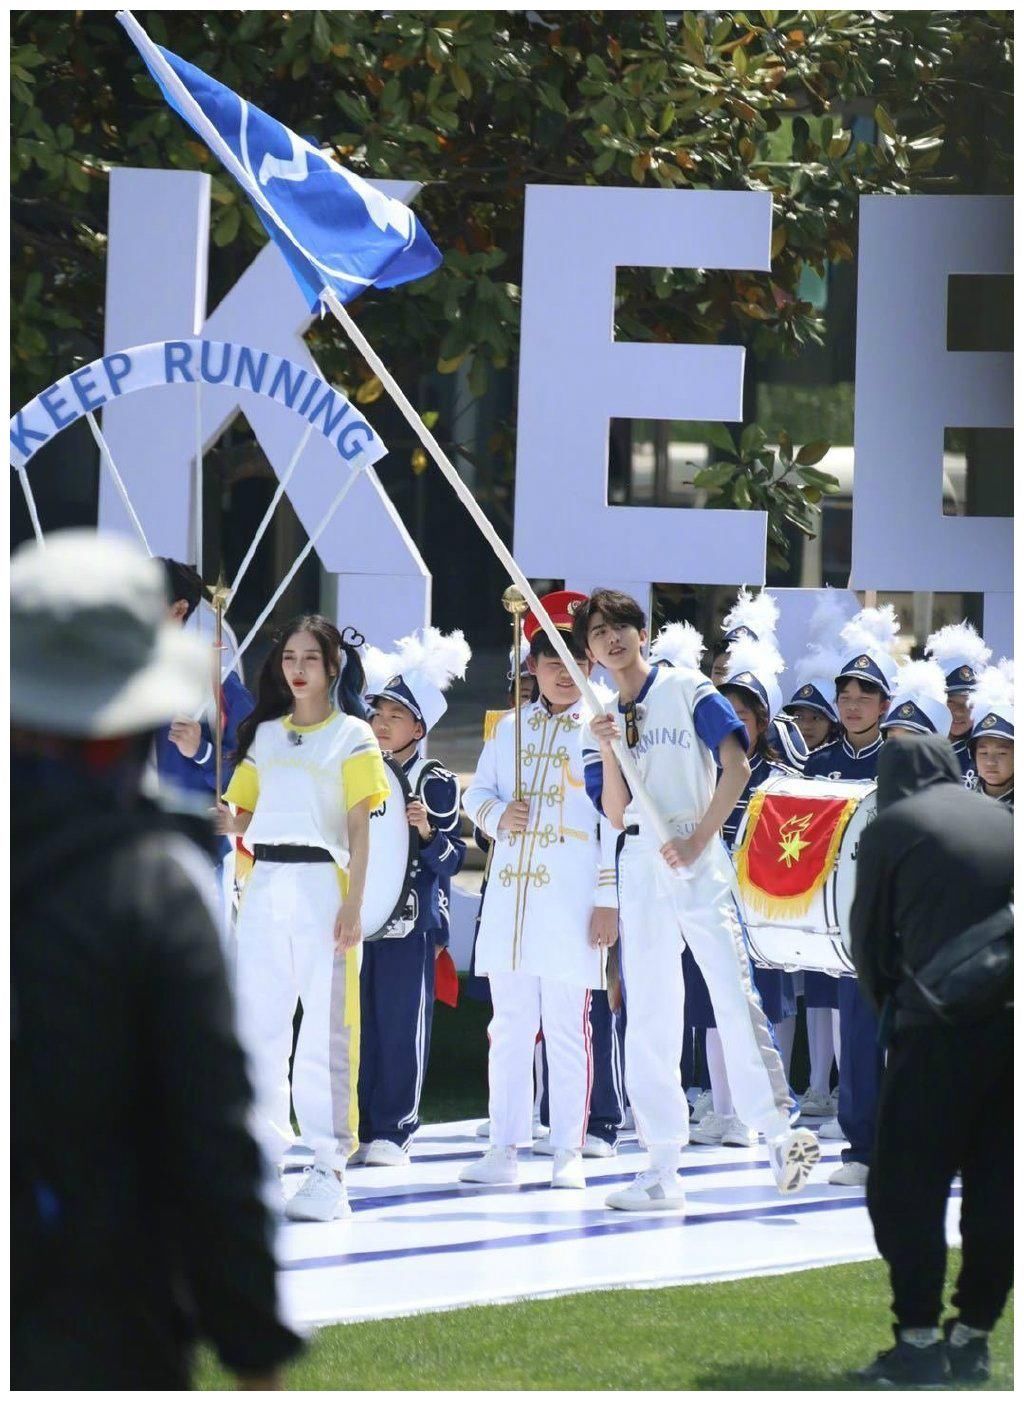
x: 796, y: 869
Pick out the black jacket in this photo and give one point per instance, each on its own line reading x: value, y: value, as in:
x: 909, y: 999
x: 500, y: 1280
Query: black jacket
x: 136, y: 1222
x: 937, y: 858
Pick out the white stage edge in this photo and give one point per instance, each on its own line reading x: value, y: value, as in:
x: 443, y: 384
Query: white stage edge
x: 420, y: 1242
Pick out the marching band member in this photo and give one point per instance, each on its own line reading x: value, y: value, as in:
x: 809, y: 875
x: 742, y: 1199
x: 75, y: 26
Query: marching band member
x: 676, y: 723
x: 991, y: 739
x: 756, y: 616
x: 813, y: 707
x: 751, y: 687
x: 548, y: 915
x: 962, y: 654
x: 307, y: 777
x: 918, y: 705
x: 406, y: 689
x: 864, y: 687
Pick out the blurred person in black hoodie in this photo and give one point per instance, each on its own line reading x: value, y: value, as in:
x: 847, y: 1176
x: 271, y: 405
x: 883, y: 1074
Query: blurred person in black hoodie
x: 934, y: 874
x: 137, y: 1223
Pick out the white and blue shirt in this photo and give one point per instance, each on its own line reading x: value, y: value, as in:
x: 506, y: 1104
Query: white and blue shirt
x: 840, y: 760
x: 681, y: 720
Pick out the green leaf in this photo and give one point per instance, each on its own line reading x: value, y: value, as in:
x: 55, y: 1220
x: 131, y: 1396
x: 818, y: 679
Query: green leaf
x: 719, y: 437
x: 752, y: 440
x: 741, y: 493
x: 604, y: 161
x: 811, y: 453
x: 461, y: 82
x: 885, y: 122
x: 715, y: 475
x: 226, y: 227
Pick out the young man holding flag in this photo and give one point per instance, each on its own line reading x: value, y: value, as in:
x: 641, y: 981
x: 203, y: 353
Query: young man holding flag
x: 676, y: 723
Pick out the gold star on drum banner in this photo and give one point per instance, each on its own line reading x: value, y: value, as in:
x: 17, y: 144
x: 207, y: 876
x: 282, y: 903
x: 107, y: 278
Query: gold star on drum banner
x: 789, y: 850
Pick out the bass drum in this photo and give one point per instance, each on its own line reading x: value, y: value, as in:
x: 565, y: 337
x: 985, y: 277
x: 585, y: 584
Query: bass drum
x: 819, y: 939
x: 391, y: 867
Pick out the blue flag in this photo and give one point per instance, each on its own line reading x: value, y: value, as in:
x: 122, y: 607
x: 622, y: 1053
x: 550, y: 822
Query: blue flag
x: 334, y: 229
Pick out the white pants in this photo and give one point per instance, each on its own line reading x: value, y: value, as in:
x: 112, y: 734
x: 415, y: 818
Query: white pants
x: 654, y: 908
x: 522, y: 1005
x: 286, y: 954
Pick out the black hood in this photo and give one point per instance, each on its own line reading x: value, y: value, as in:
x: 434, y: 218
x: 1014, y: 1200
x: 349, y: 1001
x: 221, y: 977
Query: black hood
x: 907, y: 766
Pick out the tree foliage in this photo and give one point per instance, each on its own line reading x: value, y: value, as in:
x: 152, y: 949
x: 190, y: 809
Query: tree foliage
x: 476, y: 105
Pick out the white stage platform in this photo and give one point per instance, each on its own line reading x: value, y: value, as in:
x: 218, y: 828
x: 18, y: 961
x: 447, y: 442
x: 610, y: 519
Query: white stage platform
x: 419, y: 1241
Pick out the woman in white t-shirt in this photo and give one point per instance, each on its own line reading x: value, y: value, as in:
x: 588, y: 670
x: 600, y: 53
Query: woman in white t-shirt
x: 307, y: 776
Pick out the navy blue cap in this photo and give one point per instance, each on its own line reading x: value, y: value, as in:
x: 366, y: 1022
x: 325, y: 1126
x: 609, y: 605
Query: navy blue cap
x: 397, y: 690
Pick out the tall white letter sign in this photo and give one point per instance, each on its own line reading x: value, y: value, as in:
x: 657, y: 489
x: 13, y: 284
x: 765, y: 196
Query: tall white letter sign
x: 574, y: 378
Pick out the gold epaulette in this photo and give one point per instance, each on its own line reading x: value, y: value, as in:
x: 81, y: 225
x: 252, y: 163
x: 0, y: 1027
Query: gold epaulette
x: 491, y: 720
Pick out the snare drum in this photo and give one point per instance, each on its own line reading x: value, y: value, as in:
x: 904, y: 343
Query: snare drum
x: 391, y: 865
x: 817, y: 821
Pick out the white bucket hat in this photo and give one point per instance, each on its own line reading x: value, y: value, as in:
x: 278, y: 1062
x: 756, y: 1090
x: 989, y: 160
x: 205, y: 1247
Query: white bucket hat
x: 93, y: 653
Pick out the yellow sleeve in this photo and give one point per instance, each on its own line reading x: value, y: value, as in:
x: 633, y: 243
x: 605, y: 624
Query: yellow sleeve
x: 363, y: 776
x: 244, y: 788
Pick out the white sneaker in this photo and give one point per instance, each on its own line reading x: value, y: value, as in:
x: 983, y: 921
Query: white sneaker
x: 710, y: 1128
x: 383, y: 1153
x: 791, y: 1157
x: 544, y: 1146
x: 359, y: 1156
x: 656, y: 1189
x: 850, y: 1175
x: 737, y: 1135
x: 702, y: 1105
x: 830, y: 1129
x: 594, y: 1147
x: 814, y: 1106
x: 483, y: 1130
x: 567, y: 1169
x: 498, y: 1165
x: 322, y: 1197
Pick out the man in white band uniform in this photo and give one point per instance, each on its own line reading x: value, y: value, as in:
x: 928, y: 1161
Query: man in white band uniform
x: 549, y: 913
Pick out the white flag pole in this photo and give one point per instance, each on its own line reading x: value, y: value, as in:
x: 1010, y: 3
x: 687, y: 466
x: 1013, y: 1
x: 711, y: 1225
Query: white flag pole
x: 122, y: 490
x: 462, y: 491
x: 30, y: 502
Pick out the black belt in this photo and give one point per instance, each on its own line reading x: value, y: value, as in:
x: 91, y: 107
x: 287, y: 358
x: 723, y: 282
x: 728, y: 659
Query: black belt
x: 287, y: 854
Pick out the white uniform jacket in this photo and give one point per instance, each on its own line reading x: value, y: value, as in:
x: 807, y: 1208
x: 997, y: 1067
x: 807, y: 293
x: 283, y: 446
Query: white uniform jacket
x: 544, y: 884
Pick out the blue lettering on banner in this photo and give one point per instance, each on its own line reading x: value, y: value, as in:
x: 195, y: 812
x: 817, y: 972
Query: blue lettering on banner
x: 177, y: 356
x: 53, y: 401
x: 84, y: 386
x: 248, y: 368
x: 332, y: 420
x: 20, y: 434
x: 314, y: 389
x: 206, y: 356
x: 291, y: 390
x: 353, y: 439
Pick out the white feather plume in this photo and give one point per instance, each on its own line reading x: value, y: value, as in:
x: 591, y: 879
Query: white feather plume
x: 438, y: 657
x: 920, y: 678
x: 758, y: 612
x: 957, y: 642
x: 827, y: 620
x: 994, y: 690
x: 760, y: 655
x: 872, y: 628
x: 816, y: 663
x: 379, y: 667
x: 678, y: 643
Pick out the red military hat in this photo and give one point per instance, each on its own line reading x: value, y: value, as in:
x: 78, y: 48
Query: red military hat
x: 560, y: 607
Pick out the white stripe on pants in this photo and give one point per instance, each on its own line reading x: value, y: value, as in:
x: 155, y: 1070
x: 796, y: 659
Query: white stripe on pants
x: 286, y: 954
x: 522, y: 1004
x: 654, y: 906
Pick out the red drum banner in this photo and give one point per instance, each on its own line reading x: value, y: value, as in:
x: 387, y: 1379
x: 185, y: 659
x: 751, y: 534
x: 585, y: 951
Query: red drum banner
x: 789, y: 850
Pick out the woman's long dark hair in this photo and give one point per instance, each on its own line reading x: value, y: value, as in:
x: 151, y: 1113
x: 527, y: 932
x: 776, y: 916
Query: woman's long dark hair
x: 273, y: 696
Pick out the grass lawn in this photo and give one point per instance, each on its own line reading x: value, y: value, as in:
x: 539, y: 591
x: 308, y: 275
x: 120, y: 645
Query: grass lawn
x: 794, y: 1332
